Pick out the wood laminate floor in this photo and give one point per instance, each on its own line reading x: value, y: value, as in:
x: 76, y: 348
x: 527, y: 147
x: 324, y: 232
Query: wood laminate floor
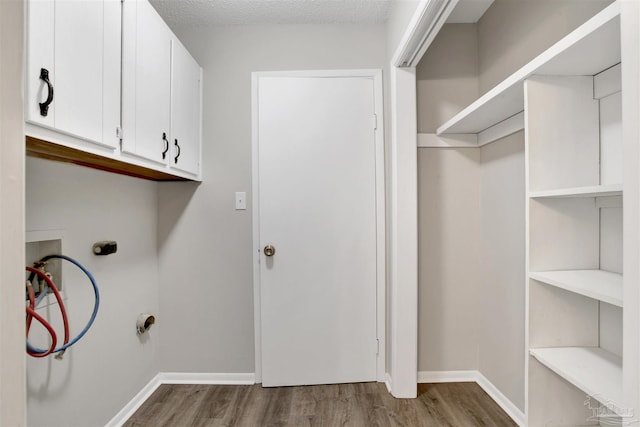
x: 363, y: 404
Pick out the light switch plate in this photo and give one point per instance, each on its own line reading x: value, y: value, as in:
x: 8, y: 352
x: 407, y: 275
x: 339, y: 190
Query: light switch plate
x: 241, y: 200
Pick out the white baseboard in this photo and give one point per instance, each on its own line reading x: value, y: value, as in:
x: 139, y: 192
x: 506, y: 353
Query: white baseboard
x: 387, y: 382
x: 475, y: 376
x: 507, y: 405
x: 206, y: 378
x: 176, y: 378
x: 448, y: 376
x: 133, y: 405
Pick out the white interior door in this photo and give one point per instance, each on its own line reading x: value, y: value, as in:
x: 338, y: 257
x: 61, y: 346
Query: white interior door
x: 317, y: 208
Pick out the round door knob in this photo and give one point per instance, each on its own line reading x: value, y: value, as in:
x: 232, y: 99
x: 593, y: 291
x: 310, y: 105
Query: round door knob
x: 269, y: 250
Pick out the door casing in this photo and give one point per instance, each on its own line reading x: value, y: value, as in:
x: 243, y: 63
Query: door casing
x: 381, y: 253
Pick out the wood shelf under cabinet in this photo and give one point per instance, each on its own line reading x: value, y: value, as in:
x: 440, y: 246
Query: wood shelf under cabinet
x: 593, y: 370
x: 588, y: 50
x: 589, y: 191
x: 46, y: 150
x: 597, y: 284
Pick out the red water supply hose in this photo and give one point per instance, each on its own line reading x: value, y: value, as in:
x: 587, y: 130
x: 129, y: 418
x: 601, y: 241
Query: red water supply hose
x: 31, y: 313
x: 32, y: 304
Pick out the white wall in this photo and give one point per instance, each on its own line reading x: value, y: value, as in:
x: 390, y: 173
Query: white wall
x: 447, y: 81
x: 511, y: 33
x: 12, y: 363
x: 449, y: 239
x: 101, y: 373
x: 205, y: 246
x: 471, y: 252
x: 449, y: 204
x: 501, y: 301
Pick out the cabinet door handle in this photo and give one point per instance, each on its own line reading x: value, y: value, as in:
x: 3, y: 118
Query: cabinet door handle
x: 44, y: 106
x: 178, y: 147
x: 166, y: 145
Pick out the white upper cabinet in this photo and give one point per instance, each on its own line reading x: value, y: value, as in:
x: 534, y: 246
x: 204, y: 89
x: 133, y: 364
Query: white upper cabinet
x: 73, y: 68
x: 108, y: 85
x: 161, y: 106
x: 146, y: 83
x: 185, y: 111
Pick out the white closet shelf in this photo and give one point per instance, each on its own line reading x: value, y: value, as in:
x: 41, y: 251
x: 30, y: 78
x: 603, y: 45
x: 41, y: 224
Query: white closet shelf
x: 591, y: 191
x: 593, y: 370
x: 588, y: 50
x: 597, y: 284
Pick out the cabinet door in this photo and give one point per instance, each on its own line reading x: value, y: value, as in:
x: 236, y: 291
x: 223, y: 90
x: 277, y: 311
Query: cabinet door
x: 185, y: 111
x: 146, y: 82
x: 40, y: 34
x: 78, y: 44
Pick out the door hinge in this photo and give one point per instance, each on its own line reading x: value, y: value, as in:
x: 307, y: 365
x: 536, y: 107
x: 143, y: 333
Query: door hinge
x: 377, y: 346
x: 375, y: 122
x: 119, y: 133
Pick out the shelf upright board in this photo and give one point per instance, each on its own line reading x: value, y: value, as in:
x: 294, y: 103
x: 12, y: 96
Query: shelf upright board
x: 588, y: 50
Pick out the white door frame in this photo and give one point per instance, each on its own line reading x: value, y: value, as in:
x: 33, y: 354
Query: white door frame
x: 13, y: 394
x: 420, y: 30
x: 376, y: 76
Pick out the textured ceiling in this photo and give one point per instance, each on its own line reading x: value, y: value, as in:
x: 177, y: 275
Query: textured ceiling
x: 236, y: 12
